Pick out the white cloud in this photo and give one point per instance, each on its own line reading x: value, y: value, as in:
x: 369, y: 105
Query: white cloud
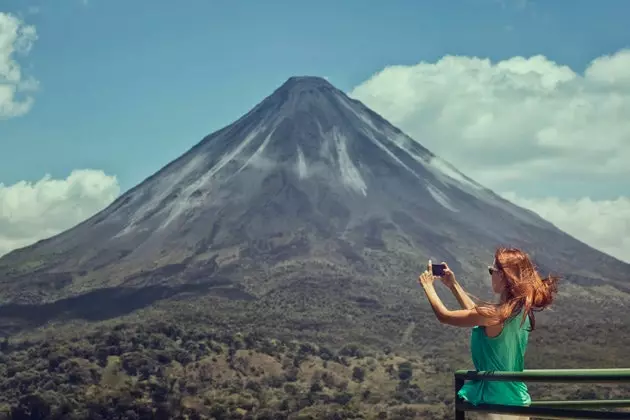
x: 525, y: 122
x: 33, y: 211
x: 517, y: 119
x: 16, y: 39
x: 603, y: 224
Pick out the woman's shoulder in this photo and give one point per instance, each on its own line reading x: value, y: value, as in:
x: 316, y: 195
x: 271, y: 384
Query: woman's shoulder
x: 519, y: 321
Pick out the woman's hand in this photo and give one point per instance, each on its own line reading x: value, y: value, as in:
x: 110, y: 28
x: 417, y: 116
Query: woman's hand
x: 449, y: 277
x: 426, y: 278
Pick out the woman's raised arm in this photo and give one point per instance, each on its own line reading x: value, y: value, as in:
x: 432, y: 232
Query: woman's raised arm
x: 460, y: 294
x: 458, y: 318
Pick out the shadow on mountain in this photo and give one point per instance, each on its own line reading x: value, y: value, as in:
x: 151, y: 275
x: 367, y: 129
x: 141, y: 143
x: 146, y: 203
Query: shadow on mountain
x: 106, y: 303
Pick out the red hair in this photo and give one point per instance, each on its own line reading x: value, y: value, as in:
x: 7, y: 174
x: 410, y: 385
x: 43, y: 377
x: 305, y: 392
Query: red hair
x: 524, y: 290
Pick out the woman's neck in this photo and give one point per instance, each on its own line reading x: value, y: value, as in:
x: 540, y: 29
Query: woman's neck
x: 503, y: 297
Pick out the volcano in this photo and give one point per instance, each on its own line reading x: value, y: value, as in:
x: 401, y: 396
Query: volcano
x: 310, y: 197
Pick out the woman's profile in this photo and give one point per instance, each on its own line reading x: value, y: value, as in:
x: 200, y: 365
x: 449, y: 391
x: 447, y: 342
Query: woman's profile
x: 501, y: 330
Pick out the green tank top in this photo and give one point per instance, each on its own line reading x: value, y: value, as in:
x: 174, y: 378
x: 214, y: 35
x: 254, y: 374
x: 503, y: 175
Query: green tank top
x: 505, y: 352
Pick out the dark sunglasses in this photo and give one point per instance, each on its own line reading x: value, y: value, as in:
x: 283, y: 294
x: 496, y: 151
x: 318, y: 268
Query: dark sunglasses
x: 492, y: 270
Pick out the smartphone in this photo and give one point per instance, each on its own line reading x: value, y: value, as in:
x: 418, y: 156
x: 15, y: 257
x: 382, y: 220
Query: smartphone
x: 438, y: 269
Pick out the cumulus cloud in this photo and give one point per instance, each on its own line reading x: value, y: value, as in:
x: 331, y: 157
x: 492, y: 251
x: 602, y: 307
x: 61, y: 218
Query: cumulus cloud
x: 603, y: 224
x: 30, y: 211
x: 16, y: 39
x: 524, y: 122
x: 521, y: 118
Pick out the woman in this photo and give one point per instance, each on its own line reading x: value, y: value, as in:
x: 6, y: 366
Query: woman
x: 500, y: 331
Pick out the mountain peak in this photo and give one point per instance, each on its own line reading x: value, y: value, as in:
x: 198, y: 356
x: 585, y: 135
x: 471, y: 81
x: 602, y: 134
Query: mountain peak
x: 301, y: 83
x: 302, y: 91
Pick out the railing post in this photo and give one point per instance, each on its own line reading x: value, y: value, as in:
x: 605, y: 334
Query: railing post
x: 459, y: 414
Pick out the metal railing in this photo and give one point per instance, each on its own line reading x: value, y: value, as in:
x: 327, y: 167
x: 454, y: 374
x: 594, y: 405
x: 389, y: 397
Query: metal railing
x: 581, y: 409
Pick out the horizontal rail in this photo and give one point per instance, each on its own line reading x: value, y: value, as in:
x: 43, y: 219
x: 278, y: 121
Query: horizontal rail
x: 549, y: 375
x: 583, y: 403
x: 548, y: 409
x: 545, y: 412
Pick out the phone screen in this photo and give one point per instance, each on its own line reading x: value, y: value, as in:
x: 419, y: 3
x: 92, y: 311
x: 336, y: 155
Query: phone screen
x: 438, y: 269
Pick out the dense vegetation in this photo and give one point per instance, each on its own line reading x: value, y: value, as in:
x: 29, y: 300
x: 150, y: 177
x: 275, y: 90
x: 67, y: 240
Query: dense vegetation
x: 162, y: 370
x: 152, y: 368
x: 307, y: 347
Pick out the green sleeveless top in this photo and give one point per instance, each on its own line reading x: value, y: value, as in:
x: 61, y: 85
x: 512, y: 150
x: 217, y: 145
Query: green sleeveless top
x: 505, y: 352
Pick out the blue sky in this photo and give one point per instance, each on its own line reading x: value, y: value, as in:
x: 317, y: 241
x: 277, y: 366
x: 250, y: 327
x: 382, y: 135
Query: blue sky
x: 127, y: 86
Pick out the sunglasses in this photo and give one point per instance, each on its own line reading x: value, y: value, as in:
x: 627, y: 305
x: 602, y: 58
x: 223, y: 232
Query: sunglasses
x: 492, y: 270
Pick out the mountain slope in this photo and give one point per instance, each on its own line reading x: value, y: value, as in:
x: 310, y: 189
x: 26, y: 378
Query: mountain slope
x: 306, y: 221
x: 309, y: 183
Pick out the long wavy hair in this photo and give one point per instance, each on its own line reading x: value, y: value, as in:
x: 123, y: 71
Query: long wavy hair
x: 524, y: 289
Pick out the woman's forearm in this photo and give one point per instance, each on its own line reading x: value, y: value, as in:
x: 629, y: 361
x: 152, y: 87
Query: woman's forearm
x: 436, y: 303
x: 458, y: 318
x: 462, y: 297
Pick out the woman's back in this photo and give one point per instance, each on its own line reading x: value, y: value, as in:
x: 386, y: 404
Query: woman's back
x: 505, y: 352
